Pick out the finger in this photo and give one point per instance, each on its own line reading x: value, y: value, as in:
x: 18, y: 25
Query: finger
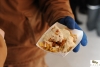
x: 69, y: 22
x: 77, y: 26
x: 3, y: 47
x: 2, y: 41
x: 76, y: 49
x: 84, y: 40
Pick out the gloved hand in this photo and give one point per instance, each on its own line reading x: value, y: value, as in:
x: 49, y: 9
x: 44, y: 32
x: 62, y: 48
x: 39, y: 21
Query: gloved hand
x: 70, y: 23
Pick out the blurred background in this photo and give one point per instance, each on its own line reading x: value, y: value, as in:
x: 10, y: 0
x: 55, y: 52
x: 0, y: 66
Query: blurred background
x: 87, y: 15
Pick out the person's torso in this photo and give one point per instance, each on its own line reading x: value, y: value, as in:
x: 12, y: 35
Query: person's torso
x: 21, y: 32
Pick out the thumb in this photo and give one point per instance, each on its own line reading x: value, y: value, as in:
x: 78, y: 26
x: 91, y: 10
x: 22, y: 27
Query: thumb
x: 3, y: 49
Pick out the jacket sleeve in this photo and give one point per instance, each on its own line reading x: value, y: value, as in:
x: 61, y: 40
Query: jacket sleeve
x: 55, y: 9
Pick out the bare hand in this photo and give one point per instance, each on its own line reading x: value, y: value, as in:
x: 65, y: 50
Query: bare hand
x: 3, y: 49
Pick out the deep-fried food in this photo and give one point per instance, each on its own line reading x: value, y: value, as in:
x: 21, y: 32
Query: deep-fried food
x: 58, y: 40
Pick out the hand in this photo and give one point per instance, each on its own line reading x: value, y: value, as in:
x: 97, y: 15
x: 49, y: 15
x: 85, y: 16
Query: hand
x: 3, y: 49
x: 70, y: 23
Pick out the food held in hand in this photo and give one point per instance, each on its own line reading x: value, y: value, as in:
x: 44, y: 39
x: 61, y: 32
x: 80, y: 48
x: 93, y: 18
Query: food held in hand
x: 58, y: 40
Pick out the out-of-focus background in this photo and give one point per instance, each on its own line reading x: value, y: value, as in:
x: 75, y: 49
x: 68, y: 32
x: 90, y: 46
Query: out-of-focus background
x: 85, y: 54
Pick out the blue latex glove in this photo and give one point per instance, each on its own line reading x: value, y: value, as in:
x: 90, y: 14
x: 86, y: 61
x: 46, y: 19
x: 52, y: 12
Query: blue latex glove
x: 70, y: 23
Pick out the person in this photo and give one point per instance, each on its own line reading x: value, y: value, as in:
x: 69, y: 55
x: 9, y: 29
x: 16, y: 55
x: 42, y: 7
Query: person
x: 24, y: 22
x: 93, y: 20
x: 82, y: 8
x: 74, y: 4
